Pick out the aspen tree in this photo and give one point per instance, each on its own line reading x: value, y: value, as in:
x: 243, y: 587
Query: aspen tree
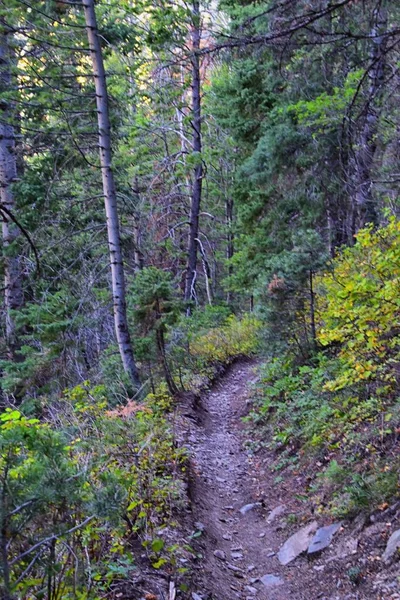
x: 110, y: 196
x: 13, y: 295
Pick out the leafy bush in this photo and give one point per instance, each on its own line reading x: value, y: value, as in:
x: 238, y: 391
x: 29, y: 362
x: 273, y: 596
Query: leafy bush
x: 81, y: 488
x: 43, y: 498
x: 234, y: 338
x: 339, y: 407
x: 200, y: 346
x: 360, y: 308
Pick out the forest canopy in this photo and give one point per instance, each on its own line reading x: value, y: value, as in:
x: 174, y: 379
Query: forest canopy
x: 183, y: 184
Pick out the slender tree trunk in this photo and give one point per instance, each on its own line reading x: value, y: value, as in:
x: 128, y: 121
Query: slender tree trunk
x: 163, y: 355
x: 138, y: 256
x: 364, y: 205
x: 190, y: 291
x: 229, y: 240
x: 8, y: 175
x: 181, y: 114
x: 167, y: 372
x: 137, y: 238
x: 312, y: 310
x: 4, y: 527
x: 206, y: 271
x: 110, y: 196
x: 5, y: 568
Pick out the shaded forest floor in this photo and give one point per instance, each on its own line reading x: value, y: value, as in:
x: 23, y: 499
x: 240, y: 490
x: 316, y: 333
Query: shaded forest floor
x: 240, y: 550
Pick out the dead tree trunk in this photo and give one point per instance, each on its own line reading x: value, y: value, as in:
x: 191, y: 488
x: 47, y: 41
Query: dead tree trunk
x: 206, y: 271
x: 110, y: 196
x: 364, y: 208
x: 190, y: 284
x: 8, y: 175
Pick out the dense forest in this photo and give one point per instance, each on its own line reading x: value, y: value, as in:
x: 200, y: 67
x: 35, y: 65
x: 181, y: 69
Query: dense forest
x: 185, y: 183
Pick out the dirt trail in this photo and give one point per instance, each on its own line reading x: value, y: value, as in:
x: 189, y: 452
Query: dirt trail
x: 225, y: 481
x: 239, y: 550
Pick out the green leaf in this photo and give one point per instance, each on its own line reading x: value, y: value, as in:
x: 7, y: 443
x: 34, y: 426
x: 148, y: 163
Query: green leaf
x: 157, y: 545
x: 159, y: 563
x: 10, y: 415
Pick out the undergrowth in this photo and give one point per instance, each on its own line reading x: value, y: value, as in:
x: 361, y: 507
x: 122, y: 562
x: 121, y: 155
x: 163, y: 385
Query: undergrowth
x: 83, y: 489
x: 209, y: 340
x: 337, y: 409
x: 93, y: 482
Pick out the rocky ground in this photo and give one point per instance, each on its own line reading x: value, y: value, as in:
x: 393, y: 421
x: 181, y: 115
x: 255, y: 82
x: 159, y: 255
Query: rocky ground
x: 255, y: 536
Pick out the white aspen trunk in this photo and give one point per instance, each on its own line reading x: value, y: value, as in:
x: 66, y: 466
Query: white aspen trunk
x: 8, y: 174
x: 110, y: 196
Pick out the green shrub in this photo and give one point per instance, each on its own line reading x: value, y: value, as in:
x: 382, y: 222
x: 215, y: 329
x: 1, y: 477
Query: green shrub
x: 360, y: 308
x: 342, y: 399
x: 200, y: 351
x: 80, y: 488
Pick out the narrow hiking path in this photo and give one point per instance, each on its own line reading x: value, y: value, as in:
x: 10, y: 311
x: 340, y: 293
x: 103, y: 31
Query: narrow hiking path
x: 238, y: 547
x: 233, y: 495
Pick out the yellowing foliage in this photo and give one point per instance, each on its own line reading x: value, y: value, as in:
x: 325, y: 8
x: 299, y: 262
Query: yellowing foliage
x: 360, y: 307
x: 237, y: 337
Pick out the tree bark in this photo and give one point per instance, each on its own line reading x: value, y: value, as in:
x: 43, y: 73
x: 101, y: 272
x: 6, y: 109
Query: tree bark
x: 190, y: 284
x: 206, y: 271
x: 312, y: 311
x: 167, y: 372
x: 110, y: 196
x: 8, y: 175
x: 364, y: 209
x: 230, y: 249
x: 4, y: 535
x: 137, y: 238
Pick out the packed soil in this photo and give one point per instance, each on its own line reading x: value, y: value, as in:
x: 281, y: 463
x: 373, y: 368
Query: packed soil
x: 239, y: 551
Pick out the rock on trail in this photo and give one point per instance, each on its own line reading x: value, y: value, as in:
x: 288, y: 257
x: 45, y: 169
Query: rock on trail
x: 393, y: 546
x: 297, y: 543
x: 323, y: 538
